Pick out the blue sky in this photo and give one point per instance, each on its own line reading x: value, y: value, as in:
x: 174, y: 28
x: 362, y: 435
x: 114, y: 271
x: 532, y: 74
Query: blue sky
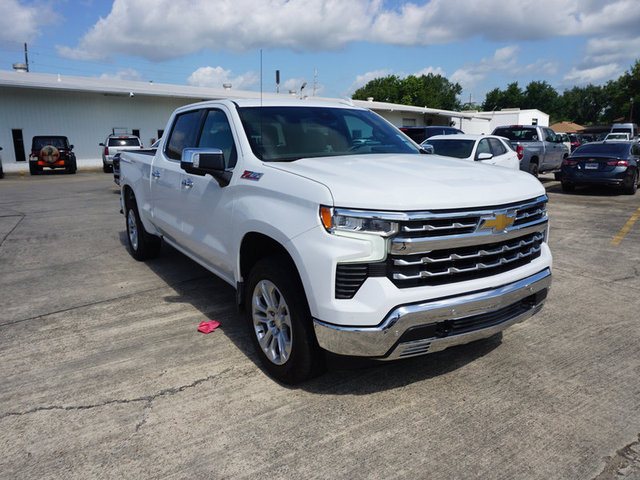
x: 479, y: 44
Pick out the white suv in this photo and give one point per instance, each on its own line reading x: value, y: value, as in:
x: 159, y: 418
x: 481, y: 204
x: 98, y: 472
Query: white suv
x: 117, y: 143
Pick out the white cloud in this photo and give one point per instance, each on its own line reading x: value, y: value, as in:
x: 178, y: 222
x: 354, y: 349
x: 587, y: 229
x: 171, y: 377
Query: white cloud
x: 123, y: 74
x: 164, y: 29
x: 160, y: 30
x: 503, y: 59
x: 594, y: 75
x: 218, y: 76
x: 432, y: 70
x: 445, y: 21
x: 610, y: 49
x: 21, y: 23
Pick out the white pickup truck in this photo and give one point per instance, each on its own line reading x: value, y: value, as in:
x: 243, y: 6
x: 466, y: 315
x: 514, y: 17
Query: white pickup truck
x: 337, y: 233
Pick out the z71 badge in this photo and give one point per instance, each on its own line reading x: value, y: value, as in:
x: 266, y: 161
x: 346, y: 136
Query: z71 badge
x: 251, y: 175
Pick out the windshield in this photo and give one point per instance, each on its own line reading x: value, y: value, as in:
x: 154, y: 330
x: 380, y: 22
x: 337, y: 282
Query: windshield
x: 285, y: 134
x: 616, y: 149
x: 58, y: 142
x: 452, y: 148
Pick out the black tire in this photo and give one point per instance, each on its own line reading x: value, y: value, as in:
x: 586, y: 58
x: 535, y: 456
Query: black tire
x: 568, y: 187
x: 533, y: 169
x: 557, y: 176
x: 107, y: 168
x: 71, y: 167
x: 279, y: 322
x: 142, y: 245
x: 630, y: 185
x: 33, y: 168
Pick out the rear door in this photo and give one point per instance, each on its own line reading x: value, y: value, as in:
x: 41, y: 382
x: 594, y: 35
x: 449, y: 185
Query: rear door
x: 554, y: 150
x: 503, y: 156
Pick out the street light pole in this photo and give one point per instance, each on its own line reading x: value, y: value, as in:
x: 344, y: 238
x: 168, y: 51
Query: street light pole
x: 631, y: 111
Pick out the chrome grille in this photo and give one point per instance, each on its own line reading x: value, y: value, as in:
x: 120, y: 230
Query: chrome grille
x: 439, y: 248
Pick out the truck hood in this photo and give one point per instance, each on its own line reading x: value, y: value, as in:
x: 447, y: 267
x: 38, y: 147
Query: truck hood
x: 414, y: 182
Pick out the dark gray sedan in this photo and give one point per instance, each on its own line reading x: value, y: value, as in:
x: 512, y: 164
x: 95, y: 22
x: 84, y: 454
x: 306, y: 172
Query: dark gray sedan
x: 602, y: 163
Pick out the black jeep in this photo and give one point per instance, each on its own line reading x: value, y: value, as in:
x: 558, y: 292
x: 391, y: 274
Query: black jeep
x: 51, y: 151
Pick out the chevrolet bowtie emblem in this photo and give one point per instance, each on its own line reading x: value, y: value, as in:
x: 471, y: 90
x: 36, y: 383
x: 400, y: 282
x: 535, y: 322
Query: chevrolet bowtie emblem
x: 499, y: 222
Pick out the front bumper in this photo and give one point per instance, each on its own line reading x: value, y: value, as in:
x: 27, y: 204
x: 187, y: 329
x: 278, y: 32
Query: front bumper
x: 431, y: 326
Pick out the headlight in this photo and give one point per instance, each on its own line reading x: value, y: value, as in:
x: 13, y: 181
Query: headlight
x: 341, y: 220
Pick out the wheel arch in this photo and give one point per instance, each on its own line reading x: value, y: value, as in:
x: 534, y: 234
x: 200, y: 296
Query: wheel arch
x: 254, y: 247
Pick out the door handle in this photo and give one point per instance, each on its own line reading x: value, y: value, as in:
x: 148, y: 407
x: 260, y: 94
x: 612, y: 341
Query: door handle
x: 187, y: 183
x: 155, y: 174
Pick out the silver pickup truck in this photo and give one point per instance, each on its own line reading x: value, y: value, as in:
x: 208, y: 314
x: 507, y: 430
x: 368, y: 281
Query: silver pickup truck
x: 539, y: 149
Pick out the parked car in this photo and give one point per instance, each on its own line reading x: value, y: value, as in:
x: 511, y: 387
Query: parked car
x: 603, y: 163
x: 420, y: 134
x: 480, y: 148
x: 538, y: 148
x: 631, y: 129
x: 1, y: 170
x: 564, y: 138
x: 575, y: 141
x: 116, y: 143
x: 617, y: 137
x: 51, y: 151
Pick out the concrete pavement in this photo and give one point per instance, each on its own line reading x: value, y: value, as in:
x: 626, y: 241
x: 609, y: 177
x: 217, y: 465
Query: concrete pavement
x: 105, y: 376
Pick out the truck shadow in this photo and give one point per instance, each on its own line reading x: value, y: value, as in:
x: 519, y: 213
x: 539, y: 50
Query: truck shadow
x: 586, y: 191
x: 215, y: 299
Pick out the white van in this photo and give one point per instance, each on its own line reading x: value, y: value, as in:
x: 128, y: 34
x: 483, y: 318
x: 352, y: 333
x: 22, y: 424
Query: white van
x: 629, y: 128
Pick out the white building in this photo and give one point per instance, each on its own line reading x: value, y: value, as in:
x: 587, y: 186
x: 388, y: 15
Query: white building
x: 485, y: 122
x: 87, y: 109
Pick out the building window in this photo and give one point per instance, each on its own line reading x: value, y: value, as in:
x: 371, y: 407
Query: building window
x: 408, y: 122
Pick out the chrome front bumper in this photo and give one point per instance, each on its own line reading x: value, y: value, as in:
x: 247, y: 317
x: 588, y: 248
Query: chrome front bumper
x: 431, y: 326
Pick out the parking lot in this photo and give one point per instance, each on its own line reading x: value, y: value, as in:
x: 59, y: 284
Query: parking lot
x: 104, y: 375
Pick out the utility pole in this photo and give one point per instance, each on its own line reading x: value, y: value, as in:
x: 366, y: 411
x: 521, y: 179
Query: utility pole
x: 631, y: 111
x: 26, y: 58
x: 315, y: 81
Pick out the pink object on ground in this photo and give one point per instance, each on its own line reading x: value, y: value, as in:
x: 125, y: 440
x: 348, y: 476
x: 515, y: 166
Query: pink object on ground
x: 208, y: 327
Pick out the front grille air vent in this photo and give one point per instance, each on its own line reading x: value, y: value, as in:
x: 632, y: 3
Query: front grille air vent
x: 349, y: 278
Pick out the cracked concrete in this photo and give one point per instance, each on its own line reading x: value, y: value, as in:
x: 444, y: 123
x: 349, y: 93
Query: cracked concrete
x: 148, y: 399
x: 625, y: 464
x: 104, y: 374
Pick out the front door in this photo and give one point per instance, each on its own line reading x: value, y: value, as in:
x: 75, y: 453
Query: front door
x: 207, y: 207
x: 166, y: 175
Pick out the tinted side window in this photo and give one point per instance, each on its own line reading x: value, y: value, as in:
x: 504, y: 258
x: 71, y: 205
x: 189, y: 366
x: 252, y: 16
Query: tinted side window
x: 549, y: 135
x: 483, y: 147
x: 184, y: 134
x: 216, y: 133
x: 497, y: 147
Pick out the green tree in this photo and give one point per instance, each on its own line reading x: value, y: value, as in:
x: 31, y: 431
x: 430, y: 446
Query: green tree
x: 582, y: 105
x: 542, y: 96
x: 511, y: 97
x: 622, y: 94
x: 383, y: 89
x: 429, y: 90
